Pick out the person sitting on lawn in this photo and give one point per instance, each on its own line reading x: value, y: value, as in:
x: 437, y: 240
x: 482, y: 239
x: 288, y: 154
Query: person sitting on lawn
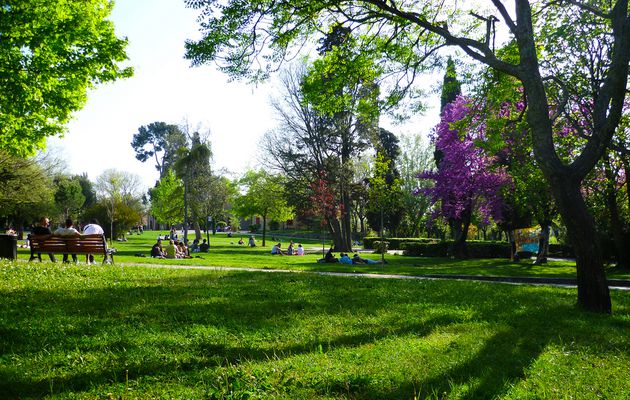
x: 182, y: 250
x: 194, y: 247
x: 241, y: 242
x: 156, y: 250
x: 276, y: 249
x: 300, y: 250
x: 204, y: 247
x: 290, y: 249
x: 330, y: 257
x: 170, y: 250
x: 252, y: 241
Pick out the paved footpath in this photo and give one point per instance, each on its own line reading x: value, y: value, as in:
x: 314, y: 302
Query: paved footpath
x: 617, y: 284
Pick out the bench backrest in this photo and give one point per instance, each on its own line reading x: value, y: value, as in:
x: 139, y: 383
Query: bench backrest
x: 83, y: 244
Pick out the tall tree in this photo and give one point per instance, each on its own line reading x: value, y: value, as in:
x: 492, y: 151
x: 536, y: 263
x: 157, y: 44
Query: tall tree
x: 193, y: 167
x: 68, y: 195
x: 52, y: 52
x: 326, y: 123
x: 408, y: 33
x: 160, y: 141
x: 415, y: 156
x: 385, y: 181
x: 118, y: 191
x: 466, y: 180
x: 264, y: 197
x: 87, y: 189
x: 26, y: 190
x: 167, y: 199
x: 451, y: 86
x: 384, y: 197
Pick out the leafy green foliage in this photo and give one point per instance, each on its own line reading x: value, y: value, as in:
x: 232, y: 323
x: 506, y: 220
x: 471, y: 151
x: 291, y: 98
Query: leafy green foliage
x: 264, y: 196
x: 25, y: 186
x: 167, y: 199
x: 69, y: 196
x: 451, y: 87
x: 415, y: 156
x: 52, y: 53
x: 118, y: 192
x: 384, y: 195
x: 160, y: 141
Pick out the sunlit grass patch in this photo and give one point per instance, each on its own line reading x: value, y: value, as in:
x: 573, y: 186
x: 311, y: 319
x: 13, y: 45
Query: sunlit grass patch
x: 135, y: 333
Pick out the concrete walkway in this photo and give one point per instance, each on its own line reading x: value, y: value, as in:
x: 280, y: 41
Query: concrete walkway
x: 616, y: 284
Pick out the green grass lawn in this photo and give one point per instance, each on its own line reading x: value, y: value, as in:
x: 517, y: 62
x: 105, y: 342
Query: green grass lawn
x: 224, y: 252
x: 128, y: 332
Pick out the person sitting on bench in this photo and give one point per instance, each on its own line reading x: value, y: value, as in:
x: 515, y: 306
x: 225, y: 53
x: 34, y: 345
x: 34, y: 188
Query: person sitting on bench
x: 67, y: 230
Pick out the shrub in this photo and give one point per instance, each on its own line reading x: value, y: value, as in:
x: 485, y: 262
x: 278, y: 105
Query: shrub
x: 380, y: 247
x: 480, y: 249
x: 419, y: 249
x: 561, y: 251
x: 443, y: 249
x: 395, y: 243
x: 253, y: 228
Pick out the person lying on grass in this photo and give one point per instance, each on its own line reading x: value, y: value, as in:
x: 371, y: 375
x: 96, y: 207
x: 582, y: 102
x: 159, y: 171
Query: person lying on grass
x: 345, y: 259
x: 358, y: 260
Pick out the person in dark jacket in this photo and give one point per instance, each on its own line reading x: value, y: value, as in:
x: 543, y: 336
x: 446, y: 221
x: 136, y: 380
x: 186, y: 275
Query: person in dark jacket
x: 42, y: 228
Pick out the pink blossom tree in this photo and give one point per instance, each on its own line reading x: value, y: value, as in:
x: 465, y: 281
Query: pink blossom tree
x: 466, y: 181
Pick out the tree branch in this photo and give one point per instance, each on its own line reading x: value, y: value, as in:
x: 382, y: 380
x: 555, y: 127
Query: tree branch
x: 589, y: 8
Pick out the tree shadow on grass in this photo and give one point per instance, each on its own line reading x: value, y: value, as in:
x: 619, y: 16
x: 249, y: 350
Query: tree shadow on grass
x: 253, y: 304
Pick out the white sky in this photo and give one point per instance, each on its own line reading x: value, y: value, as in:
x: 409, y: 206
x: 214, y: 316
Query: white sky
x: 166, y: 88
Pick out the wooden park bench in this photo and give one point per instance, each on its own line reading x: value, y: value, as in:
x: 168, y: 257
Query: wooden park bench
x: 82, y: 244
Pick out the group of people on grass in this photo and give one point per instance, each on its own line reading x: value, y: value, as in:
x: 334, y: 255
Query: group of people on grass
x: 68, y: 229
x: 292, y: 250
x: 344, y: 258
x: 177, y: 248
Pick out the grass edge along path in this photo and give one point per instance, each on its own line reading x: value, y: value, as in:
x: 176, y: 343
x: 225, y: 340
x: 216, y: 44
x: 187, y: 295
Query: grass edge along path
x: 614, y: 284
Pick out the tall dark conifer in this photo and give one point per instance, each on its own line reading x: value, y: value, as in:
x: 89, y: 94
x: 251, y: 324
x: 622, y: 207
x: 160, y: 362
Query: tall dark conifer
x: 451, y: 87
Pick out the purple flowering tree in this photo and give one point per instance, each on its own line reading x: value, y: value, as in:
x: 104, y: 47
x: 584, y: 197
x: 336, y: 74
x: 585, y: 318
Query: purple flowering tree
x: 466, y: 180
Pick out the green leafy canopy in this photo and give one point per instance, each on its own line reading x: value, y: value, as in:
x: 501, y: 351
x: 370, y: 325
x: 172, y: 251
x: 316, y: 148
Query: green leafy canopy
x: 52, y: 52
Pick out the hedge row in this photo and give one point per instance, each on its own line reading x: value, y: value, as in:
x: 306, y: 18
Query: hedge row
x: 430, y: 247
x: 394, y: 243
x: 444, y: 249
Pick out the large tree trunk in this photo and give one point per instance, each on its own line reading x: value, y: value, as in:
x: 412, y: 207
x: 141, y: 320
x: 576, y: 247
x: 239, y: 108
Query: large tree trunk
x: 197, y: 229
x: 564, y: 179
x: 346, y: 223
x: 593, y: 293
x: 334, y: 227
x: 342, y: 240
x: 460, y: 234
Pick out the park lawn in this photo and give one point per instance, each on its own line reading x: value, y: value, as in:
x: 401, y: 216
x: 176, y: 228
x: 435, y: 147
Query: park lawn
x: 224, y: 252
x: 126, y: 332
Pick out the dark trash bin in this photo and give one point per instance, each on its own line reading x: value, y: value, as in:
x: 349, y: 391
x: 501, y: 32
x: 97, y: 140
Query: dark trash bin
x: 8, y: 246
